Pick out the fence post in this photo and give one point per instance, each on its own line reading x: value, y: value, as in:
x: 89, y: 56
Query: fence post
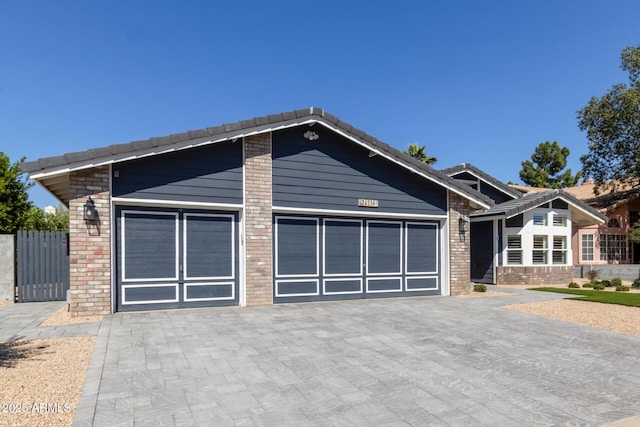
x: 7, y: 268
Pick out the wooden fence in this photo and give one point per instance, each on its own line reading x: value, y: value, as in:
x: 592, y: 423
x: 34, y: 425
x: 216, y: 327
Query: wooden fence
x: 42, y: 263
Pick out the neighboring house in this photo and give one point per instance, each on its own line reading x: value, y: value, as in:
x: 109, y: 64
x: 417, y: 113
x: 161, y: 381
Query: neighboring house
x: 296, y: 206
x: 522, y: 239
x: 608, y: 243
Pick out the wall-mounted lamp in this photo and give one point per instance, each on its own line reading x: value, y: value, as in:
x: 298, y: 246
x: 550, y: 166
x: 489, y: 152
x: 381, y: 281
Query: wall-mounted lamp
x: 90, y: 212
x: 462, y: 225
x: 311, y: 136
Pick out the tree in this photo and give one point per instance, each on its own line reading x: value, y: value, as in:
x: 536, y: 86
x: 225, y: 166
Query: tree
x: 634, y: 232
x: 612, y: 123
x: 37, y: 219
x: 420, y: 153
x: 14, y: 200
x: 546, y: 165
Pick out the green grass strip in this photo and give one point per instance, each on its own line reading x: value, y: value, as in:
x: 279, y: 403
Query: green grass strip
x: 620, y: 298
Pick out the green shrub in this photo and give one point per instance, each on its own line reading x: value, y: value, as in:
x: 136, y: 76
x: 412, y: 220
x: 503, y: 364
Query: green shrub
x: 622, y: 288
x: 636, y: 283
x: 479, y: 288
x: 592, y: 275
x: 607, y: 283
x: 598, y: 286
x: 616, y: 282
x: 574, y: 285
x: 587, y: 285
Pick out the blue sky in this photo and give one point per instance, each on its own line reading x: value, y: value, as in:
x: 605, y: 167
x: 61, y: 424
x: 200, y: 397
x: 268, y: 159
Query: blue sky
x: 474, y: 81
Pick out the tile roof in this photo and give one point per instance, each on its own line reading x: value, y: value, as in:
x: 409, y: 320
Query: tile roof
x: 54, y: 169
x: 532, y: 200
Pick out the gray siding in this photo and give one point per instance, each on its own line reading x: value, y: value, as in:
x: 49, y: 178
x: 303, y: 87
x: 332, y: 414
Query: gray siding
x: 485, y: 188
x: 333, y: 173
x: 210, y: 174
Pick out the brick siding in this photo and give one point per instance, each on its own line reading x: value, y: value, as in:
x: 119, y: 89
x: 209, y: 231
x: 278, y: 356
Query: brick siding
x: 89, y: 244
x: 258, y: 220
x: 459, y: 247
x: 534, y: 276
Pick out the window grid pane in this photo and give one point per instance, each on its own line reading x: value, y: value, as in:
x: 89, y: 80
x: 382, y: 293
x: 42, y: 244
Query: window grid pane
x: 587, y: 247
x: 559, y: 257
x: 540, y: 242
x: 539, y: 219
x: 514, y: 249
x: 514, y: 242
x: 613, y: 247
x: 514, y: 257
x: 539, y: 257
x: 559, y: 242
x: 559, y: 221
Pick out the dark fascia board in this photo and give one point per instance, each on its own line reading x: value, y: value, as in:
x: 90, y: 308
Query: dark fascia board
x: 480, y: 174
x: 533, y: 200
x: 230, y: 131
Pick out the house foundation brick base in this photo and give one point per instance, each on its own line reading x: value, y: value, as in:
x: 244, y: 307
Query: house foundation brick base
x: 534, y: 276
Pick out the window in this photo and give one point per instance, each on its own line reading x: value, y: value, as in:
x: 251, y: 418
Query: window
x: 516, y: 221
x: 539, y: 249
x: 559, y: 250
x: 514, y: 249
x: 613, y: 223
x: 613, y: 247
x: 559, y: 204
x: 587, y: 247
x: 559, y: 220
x: 539, y: 219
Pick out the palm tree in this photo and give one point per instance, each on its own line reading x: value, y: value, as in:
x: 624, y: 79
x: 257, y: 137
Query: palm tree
x: 420, y: 153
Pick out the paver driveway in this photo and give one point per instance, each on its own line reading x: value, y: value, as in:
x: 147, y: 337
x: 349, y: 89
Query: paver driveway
x: 406, y: 361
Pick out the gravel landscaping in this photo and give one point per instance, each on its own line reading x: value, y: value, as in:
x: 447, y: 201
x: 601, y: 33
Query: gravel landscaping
x: 41, y: 380
x: 617, y: 318
x: 63, y: 317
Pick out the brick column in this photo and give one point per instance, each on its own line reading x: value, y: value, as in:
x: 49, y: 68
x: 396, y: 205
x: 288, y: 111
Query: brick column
x: 258, y: 219
x: 90, y: 243
x: 459, y: 246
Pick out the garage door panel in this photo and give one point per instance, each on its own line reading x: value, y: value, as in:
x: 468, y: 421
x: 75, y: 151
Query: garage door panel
x: 297, y: 249
x: 421, y: 283
x: 149, y: 294
x: 209, y: 246
x: 150, y: 248
x: 291, y: 288
x: 384, y: 247
x: 342, y: 247
x: 209, y: 291
x: 421, y: 252
x: 384, y: 285
x: 342, y: 286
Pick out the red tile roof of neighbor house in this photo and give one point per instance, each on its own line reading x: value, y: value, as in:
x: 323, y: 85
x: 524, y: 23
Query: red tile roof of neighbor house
x: 605, y: 198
